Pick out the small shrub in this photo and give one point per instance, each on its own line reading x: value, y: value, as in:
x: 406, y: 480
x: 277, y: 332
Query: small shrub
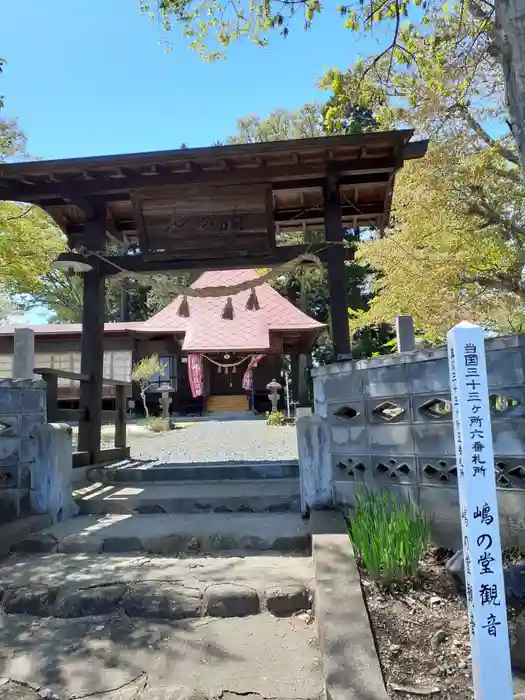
x: 276, y: 418
x: 158, y: 424
x: 389, y: 537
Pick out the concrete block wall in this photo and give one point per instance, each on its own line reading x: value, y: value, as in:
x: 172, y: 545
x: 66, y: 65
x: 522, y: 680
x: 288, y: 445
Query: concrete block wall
x: 22, y: 414
x: 389, y: 422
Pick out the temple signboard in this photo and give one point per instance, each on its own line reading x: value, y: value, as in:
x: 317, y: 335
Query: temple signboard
x: 485, y: 589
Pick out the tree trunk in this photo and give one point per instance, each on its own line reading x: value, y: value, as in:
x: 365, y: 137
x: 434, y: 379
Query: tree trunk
x: 510, y: 27
x: 143, y: 395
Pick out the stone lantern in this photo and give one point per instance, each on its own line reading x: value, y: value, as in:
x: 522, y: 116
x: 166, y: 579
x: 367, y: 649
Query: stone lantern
x: 274, y: 388
x: 165, y: 389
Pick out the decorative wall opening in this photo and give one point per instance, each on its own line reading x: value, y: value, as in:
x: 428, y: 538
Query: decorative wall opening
x: 350, y: 467
x: 510, y: 475
x: 500, y: 404
x: 392, y: 469
x: 7, y: 479
x: 436, y: 408
x: 441, y: 471
x: 346, y: 412
x: 388, y: 411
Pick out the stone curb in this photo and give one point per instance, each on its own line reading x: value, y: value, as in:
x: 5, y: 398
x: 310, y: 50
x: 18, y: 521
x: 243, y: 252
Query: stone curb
x: 14, y: 533
x: 159, y: 600
x: 350, y: 663
x: 46, y: 543
x: 237, y: 470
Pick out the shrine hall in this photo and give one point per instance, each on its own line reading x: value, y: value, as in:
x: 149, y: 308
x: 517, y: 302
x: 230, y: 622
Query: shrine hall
x: 218, y: 352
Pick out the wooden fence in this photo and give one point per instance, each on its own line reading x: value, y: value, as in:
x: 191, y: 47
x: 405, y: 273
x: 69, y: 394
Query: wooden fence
x: 55, y: 414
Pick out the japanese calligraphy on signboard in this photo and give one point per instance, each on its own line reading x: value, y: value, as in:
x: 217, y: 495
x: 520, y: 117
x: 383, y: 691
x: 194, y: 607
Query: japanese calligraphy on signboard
x: 487, y: 614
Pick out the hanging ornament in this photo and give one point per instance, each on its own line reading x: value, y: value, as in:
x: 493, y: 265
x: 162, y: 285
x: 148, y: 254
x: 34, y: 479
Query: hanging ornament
x: 227, y: 312
x: 219, y: 369
x: 253, y: 302
x: 234, y: 370
x: 184, y: 308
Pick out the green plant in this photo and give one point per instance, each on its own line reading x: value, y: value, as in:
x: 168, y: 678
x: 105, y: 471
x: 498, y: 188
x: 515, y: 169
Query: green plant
x: 275, y: 418
x: 143, y: 373
x: 389, y: 537
x: 158, y: 424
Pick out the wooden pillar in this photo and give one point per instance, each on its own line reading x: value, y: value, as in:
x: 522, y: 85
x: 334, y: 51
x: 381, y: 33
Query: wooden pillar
x: 92, y: 343
x: 124, y: 302
x: 294, y: 375
x: 120, y: 417
x: 333, y: 227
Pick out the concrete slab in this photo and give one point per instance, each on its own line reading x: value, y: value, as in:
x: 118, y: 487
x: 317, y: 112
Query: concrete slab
x: 270, y: 495
x: 79, y: 570
x: 133, y: 470
x: 174, y: 534
x: 123, y: 658
x: 11, y: 534
x: 350, y: 663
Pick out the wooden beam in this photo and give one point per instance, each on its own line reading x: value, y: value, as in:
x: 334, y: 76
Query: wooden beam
x: 62, y: 201
x: 361, y: 180
x: 165, y: 262
x: 133, y: 180
x: 115, y: 234
x: 270, y: 218
x: 63, y: 374
x: 333, y: 227
x: 140, y: 225
x: 314, y: 213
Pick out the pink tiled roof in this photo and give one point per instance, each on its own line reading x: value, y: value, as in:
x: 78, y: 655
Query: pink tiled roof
x: 68, y: 328
x: 206, y: 330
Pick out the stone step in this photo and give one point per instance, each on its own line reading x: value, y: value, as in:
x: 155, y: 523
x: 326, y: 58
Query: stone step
x: 69, y: 586
x: 270, y: 495
x: 158, y: 628
x: 175, y: 534
x: 135, y: 470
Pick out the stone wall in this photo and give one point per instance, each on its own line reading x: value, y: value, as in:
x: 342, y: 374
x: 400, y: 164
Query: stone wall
x: 22, y: 414
x: 387, y: 422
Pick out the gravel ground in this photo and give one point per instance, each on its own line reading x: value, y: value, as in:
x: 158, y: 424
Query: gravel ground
x: 218, y: 441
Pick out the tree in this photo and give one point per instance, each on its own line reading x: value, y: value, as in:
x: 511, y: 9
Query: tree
x: 62, y: 295
x: 143, y: 372
x: 29, y: 242
x: 446, y: 260
x: 280, y: 124
x: 456, y: 247
x: 29, y: 239
x: 212, y: 25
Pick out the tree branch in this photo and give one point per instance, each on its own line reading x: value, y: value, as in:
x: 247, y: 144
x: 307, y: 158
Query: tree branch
x: 20, y: 216
x: 498, y: 282
x: 482, y: 208
x: 485, y: 136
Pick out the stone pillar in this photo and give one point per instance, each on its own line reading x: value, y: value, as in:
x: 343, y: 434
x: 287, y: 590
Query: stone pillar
x: 24, y: 353
x: 52, y: 473
x: 405, y: 336
x: 315, y: 463
x: 22, y: 412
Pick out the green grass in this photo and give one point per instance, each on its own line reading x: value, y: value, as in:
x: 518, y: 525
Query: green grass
x: 389, y: 537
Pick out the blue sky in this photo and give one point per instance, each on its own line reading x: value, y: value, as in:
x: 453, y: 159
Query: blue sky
x: 90, y: 78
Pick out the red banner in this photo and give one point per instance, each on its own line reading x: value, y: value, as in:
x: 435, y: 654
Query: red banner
x: 247, y: 380
x: 195, y: 375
